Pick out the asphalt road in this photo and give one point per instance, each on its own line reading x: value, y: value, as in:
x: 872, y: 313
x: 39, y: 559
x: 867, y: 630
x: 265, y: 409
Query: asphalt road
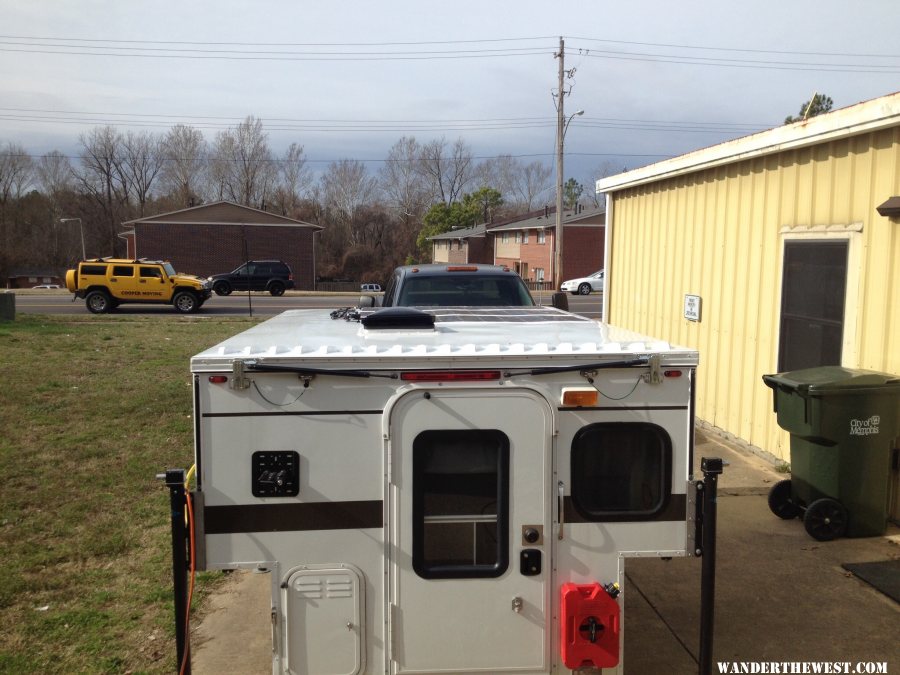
x: 262, y: 304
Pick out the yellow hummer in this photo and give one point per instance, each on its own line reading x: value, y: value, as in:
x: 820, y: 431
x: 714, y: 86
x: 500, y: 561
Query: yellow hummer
x: 105, y: 283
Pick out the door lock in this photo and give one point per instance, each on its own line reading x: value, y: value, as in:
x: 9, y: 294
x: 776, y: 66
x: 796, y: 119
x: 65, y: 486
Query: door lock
x: 532, y: 535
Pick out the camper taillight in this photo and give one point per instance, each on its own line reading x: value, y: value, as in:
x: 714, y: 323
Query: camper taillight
x: 450, y: 375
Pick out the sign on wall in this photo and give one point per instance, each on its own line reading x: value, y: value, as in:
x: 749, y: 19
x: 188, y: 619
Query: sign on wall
x: 692, y: 305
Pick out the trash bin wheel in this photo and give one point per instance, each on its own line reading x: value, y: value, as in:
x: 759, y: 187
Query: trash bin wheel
x: 780, y: 501
x: 825, y: 519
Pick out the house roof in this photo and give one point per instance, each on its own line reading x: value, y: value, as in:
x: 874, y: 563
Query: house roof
x: 542, y: 221
x: 533, y: 220
x: 33, y: 272
x: 879, y: 113
x: 221, y: 213
x: 462, y: 233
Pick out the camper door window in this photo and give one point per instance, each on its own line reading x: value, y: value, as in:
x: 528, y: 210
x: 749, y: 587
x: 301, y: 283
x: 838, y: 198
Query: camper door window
x: 460, y: 504
x: 621, y: 470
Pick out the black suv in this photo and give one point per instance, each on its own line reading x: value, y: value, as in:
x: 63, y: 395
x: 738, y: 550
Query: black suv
x: 273, y: 276
x: 456, y: 286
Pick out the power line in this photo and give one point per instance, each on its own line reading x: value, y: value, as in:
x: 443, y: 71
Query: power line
x: 204, y: 51
x: 746, y: 63
x: 38, y: 116
x: 445, y: 42
x: 287, y: 56
x: 276, y: 160
x: 282, y: 44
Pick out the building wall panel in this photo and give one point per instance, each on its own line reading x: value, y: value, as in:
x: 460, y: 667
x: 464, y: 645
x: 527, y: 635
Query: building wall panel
x: 719, y: 233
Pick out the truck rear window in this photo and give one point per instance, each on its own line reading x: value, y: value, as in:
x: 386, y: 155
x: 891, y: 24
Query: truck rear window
x: 460, y: 290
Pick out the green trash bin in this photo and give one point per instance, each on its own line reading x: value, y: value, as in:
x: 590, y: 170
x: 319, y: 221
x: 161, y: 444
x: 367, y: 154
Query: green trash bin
x: 843, y: 423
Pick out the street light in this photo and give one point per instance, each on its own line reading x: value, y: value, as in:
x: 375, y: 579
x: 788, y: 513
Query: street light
x: 80, y: 227
x: 560, y: 138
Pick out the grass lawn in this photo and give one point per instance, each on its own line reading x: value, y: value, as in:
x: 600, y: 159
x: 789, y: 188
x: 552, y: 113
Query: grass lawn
x: 91, y: 409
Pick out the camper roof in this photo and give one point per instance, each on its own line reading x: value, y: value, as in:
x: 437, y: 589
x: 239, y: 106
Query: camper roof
x: 527, y: 334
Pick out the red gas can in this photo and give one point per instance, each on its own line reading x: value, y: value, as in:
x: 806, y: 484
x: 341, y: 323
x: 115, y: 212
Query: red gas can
x: 589, y: 631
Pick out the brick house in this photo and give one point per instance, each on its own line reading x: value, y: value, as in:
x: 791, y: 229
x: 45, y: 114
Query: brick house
x: 466, y: 245
x: 28, y: 278
x: 526, y: 243
x: 218, y: 237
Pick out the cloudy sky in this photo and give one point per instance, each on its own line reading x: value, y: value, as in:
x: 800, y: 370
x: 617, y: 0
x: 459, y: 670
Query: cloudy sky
x: 346, y: 79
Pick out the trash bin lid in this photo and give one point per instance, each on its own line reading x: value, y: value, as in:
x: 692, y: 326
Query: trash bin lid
x: 829, y: 380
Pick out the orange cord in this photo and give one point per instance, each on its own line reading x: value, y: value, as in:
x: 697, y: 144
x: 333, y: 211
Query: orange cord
x: 187, y: 618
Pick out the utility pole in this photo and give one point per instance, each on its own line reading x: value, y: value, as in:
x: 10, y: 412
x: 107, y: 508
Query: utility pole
x: 560, y: 131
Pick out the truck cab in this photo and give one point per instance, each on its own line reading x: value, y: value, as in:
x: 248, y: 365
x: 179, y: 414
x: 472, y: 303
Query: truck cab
x: 456, y: 286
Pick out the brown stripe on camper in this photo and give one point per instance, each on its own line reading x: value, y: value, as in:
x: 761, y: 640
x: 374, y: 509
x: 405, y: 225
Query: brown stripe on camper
x: 293, y: 517
x: 675, y: 509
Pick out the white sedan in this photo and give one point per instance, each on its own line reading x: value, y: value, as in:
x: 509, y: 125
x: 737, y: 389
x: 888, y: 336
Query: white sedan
x: 584, y: 285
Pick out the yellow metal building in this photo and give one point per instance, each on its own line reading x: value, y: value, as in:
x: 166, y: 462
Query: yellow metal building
x: 731, y: 231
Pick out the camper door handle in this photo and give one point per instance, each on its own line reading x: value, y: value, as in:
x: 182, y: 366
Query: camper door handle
x: 562, y: 509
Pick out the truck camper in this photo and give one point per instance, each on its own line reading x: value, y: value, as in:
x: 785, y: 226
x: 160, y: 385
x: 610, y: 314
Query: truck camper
x: 450, y: 491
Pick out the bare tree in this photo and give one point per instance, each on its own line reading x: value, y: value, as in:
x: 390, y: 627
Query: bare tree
x: 142, y: 161
x: 405, y: 190
x: 448, y: 170
x: 184, y: 171
x: 520, y: 184
x: 16, y: 174
x: 533, y: 184
x: 402, y: 182
x: 242, y: 164
x: 296, y: 179
x: 607, y: 168
x: 346, y: 187
x: 101, y: 176
x: 54, y: 174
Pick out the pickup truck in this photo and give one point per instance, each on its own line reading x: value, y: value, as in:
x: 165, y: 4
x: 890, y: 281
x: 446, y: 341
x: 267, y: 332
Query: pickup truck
x: 443, y: 285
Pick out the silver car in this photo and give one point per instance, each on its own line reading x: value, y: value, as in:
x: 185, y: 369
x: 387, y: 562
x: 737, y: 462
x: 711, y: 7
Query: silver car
x: 584, y: 285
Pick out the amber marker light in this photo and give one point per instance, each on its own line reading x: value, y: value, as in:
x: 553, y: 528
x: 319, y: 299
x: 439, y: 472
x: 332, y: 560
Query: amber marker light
x: 579, y: 398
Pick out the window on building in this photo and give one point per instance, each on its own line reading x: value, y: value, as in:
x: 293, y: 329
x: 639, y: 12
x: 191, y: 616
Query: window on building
x: 525, y: 237
x: 505, y: 238
x: 538, y: 273
x: 621, y: 470
x: 460, y: 503
x: 814, y: 284
x: 518, y: 237
x: 542, y: 237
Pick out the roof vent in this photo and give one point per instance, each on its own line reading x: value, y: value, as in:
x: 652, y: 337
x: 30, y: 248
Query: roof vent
x: 398, y: 317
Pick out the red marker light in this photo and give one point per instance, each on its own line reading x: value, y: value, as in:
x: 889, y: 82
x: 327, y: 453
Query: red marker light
x: 218, y: 379
x: 450, y: 375
x: 672, y: 373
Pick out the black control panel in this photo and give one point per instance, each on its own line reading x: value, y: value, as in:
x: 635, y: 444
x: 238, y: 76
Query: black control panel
x: 276, y: 473
x: 530, y: 562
